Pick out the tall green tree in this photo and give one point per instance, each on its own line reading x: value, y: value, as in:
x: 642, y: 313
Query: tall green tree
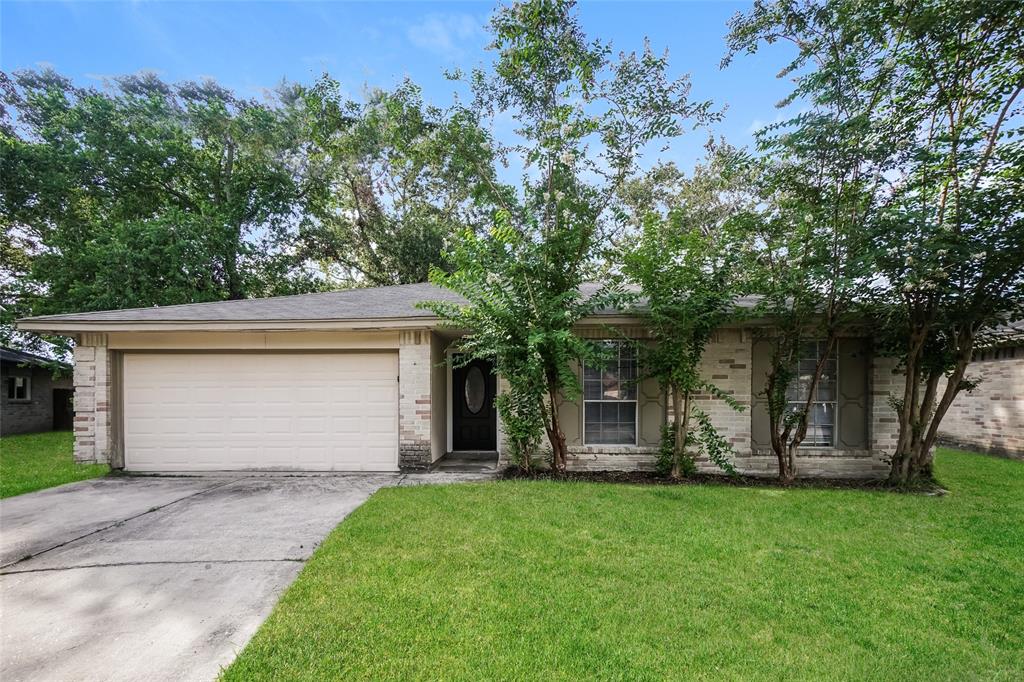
x: 583, y: 119
x: 823, y: 168
x: 395, y: 180
x: 686, y: 261
x: 950, y: 244
x: 931, y: 97
x: 146, y: 193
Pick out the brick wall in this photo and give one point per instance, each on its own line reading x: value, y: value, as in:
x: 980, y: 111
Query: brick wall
x: 883, y: 427
x: 35, y: 414
x: 991, y: 417
x: 415, y: 401
x: 93, y: 423
x: 727, y: 363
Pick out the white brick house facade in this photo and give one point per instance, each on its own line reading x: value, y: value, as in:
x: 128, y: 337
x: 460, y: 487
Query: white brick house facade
x: 388, y: 323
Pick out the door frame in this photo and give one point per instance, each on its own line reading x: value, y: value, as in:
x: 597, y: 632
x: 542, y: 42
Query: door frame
x: 449, y: 409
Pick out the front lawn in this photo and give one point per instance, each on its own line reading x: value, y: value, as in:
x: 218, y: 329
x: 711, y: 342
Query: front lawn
x: 542, y: 580
x: 34, y: 461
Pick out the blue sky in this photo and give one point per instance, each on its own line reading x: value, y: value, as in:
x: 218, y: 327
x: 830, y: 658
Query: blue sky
x: 250, y: 46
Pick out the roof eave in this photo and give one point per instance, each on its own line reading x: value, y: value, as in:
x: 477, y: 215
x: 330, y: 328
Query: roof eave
x: 67, y: 327
x: 71, y: 327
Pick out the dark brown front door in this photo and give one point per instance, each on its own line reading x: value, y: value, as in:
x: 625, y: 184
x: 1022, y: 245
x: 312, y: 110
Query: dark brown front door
x: 474, y: 422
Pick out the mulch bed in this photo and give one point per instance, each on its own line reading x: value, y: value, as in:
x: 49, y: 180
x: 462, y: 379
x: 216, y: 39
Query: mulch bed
x: 651, y: 478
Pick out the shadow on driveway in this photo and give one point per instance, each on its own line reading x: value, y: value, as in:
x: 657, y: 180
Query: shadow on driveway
x: 154, y: 577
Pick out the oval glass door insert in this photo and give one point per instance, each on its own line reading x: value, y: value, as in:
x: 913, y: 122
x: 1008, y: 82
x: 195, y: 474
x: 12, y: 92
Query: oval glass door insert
x: 475, y: 389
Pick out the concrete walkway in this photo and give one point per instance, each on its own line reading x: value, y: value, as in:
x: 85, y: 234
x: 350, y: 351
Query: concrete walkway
x: 158, y: 578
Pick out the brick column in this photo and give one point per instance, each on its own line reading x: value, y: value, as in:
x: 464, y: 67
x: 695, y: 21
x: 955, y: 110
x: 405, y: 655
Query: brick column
x: 92, y: 399
x: 727, y: 363
x: 886, y: 381
x: 414, y: 402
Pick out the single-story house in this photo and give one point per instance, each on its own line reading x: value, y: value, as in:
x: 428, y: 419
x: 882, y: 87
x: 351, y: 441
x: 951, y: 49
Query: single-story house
x: 36, y: 393
x: 357, y: 380
x: 990, y: 418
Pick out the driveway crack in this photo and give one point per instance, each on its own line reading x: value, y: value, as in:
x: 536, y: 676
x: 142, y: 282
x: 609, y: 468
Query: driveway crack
x: 115, y: 524
x: 118, y: 564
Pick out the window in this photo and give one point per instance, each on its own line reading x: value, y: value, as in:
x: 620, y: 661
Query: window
x: 476, y: 389
x: 821, y: 422
x: 19, y: 388
x: 609, y: 398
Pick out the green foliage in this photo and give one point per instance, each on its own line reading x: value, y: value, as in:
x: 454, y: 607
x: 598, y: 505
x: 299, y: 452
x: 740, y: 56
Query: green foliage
x: 820, y: 190
x: 146, y: 193
x: 702, y: 436
x: 525, y: 329
x: 686, y: 261
x: 917, y: 105
x: 669, y: 458
x: 583, y: 120
x: 395, y: 180
x: 951, y: 240
x: 713, y: 444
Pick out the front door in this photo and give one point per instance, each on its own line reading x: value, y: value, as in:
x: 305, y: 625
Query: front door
x: 474, y: 422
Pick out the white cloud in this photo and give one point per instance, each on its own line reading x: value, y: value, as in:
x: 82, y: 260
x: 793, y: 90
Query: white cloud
x: 444, y: 34
x: 757, y: 124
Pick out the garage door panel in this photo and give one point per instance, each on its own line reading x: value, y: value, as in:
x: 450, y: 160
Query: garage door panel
x: 261, y: 411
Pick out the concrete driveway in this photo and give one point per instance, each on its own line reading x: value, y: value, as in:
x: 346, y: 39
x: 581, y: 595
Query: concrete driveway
x: 157, y: 578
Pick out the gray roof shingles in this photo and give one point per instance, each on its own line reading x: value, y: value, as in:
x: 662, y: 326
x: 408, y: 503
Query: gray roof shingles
x: 348, y: 304
x: 387, y: 303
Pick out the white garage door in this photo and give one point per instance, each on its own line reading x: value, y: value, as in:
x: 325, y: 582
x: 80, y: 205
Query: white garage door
x: 211, y: 411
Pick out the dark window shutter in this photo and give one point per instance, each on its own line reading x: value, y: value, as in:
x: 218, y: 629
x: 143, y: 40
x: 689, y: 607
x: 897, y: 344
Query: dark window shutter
x: 570, y: 414
x: 760, y: 427
x: 651, y: 411
x: 853, y: 356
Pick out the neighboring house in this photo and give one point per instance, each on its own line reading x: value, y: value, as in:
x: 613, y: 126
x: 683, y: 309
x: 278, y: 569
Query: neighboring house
x: 32, y: 398
x: 357, y: 380
x: 991, y: 417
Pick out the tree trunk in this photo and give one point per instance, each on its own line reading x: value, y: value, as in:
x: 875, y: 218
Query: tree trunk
x: 233, y: 229
x: 559, y: 451
x: 235, y: 289
x: 774, y: 421
x: 785, y: 458
x: 920, y: 416
x: 779, y: 433
x: 793, y: 443
x: 681, y: 427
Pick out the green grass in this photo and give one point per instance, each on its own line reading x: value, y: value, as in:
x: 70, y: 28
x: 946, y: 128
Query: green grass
x: 34, y: 461
x: 543, y: 580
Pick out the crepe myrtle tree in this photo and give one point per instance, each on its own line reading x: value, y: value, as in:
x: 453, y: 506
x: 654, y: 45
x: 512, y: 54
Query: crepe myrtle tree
x: 686, y: 260
x: 931, y: 92
x: 950, y: 245
x: 522, y: 327
x: 820, y: 189
x: 950, y: 288
x: 805, y: 270
x: 583, y: 118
